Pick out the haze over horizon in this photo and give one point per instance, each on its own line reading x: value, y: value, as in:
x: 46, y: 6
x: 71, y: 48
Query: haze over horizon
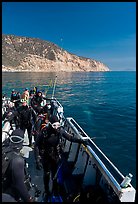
x: 104, y: 31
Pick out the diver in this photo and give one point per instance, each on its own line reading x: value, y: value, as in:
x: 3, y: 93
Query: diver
x: 15, y: 176
x: 26, y: 118
x: 48, y: 150
x: 36, y: 101
x: 26, y: 95
x: 41, y: 121
x: 15, y: 98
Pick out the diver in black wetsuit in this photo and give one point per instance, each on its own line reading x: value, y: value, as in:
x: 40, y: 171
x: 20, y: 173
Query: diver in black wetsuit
x: 14, y: 178
x: 26, y: 118
x: 15, y: 98
x: 41, y: 121
x: 36, y: 101
x: 9, y: 111
x: 48, y: 151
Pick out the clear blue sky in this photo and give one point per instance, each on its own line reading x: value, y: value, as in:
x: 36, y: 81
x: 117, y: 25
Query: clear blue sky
x: 99, y: 30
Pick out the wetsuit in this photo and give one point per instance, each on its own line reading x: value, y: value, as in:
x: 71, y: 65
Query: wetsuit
x: 15, y: 176
x: 40, y: 122
x: 26, y: 116
x: 7, y: 115
x: 15, y: 97
x: 36, y: 103
x: 47, y: 150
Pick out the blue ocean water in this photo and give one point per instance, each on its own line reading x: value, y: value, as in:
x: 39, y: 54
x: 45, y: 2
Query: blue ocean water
x: 103, y: 104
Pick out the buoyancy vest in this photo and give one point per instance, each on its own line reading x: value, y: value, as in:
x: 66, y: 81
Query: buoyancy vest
x: 50, y: 146
x: 7, y: 156
x: 25, y: 115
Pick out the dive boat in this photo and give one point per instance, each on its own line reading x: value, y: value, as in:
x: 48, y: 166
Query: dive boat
x: 86, y: 174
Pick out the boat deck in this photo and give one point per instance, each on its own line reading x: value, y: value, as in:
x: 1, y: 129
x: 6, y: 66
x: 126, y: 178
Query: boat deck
x: 70, y: 190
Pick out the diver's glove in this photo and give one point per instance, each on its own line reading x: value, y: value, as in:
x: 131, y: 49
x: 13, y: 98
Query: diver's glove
x: 38, y: 164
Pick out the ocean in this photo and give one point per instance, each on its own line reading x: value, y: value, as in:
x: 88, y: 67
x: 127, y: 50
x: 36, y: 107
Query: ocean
x: 102, y: 103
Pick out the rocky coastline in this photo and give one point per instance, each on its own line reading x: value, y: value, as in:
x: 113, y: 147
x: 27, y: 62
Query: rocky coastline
x: 23, y: 54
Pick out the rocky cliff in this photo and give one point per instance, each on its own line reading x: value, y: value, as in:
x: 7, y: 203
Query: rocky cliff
x: 32, y: 54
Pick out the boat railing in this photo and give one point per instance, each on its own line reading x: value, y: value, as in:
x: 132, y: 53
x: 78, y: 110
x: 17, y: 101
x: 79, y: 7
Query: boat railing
x: 108, y: 170
x: 92, y: 145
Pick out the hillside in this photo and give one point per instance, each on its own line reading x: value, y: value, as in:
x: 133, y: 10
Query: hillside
x: 33, y: 54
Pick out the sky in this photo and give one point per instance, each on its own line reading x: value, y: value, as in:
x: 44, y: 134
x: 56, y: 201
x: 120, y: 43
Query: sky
x: 104, y: 31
